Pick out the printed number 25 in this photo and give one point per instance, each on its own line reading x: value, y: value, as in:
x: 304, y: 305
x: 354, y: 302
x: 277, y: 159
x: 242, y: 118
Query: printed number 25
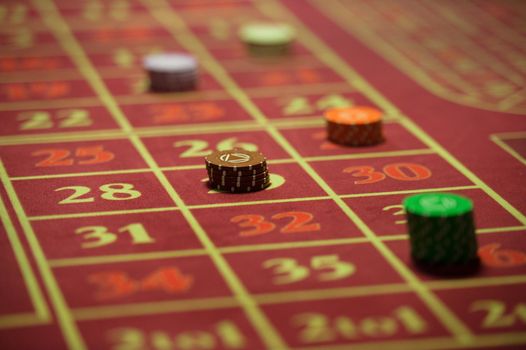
x: 61, y: 157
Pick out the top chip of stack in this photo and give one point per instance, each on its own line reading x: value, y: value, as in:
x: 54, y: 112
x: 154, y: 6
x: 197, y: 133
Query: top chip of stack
x: 267, y: 39
x: 171, y: 72
x: 237, y: 171
x: 442, y: 233
x: 354, y: 126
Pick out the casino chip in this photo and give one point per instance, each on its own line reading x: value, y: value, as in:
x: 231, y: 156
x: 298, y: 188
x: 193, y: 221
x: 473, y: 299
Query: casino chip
x: 442, y: 233
x: 354, y: 126
x: 237, y: 171
x: 171, y: 72
x: 267, y: 39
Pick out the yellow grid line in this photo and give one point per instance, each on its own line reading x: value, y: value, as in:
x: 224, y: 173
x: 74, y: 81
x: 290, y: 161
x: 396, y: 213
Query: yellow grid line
x: 233, y: 65
x: 160, y: 307
x: 39, y: 75
x: 92, y: 173
x: 95, y: 135
x: 480, y: 231
x: 320, y: 88
x: 510, y: 135
x: 103, y: 259
x: 402, y: 153
x: 332, y: 293
x: 170, y: 97
x: 258, y: 202
x: 477, y: 282
x: 433, y: 343
x: 129, y: 100
x: 30, y: 282
x: 39, y: 104
x: 109, y: 259
x: 292, y: 245
x: 21, y: 320
x: 201, y: 129
x: 65, y: 321
x: 100, y: 213
x: 436, y: 189
x: 500, y: 229
x: 507, y: 148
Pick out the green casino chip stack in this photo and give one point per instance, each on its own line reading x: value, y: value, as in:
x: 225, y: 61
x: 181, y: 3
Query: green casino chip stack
x: 442, y: 233
x: 267, y: 39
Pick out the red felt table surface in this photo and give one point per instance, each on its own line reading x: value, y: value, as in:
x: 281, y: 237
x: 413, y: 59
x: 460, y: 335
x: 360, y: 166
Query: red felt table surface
x: 110, y: 238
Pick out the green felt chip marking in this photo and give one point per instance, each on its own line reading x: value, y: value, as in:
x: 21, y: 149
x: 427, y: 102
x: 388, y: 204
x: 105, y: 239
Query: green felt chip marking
x: 438, y: 204
x: 267, y: 33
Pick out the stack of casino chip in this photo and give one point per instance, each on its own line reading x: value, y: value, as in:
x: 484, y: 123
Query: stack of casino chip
x: 442, y: 233
x: 237, y: 171
x: 267, y: 39
x: 354, y: 126
x: 171, y: 72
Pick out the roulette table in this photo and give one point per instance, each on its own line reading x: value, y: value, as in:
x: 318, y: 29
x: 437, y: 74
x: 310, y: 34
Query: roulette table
x: 111, y: 239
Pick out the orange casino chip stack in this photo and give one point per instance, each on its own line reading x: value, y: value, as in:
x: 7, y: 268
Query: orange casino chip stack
x: 354, y: 126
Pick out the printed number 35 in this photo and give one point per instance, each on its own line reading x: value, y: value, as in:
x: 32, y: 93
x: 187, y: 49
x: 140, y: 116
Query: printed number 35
x: 327, y: 268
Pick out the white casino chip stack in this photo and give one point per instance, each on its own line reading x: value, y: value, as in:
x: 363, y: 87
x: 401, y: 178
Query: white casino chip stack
x: 170, y: 72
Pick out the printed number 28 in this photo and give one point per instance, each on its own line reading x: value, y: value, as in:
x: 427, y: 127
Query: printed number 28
x: 111, y: 192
